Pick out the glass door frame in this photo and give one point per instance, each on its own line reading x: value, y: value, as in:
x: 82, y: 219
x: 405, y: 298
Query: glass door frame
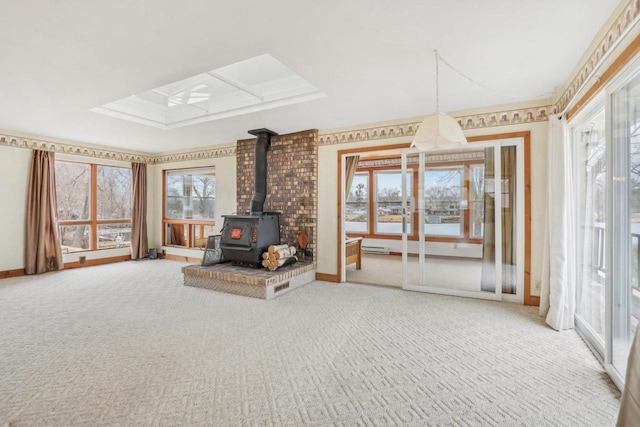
x: 618, y: 244
x: 597, y: 105
x: 497, y: 144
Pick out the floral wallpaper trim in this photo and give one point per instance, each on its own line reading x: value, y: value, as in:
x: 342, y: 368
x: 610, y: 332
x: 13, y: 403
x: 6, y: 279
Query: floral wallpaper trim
x: 104, y: 153
x: 476, y: 121
x: 625, y: 19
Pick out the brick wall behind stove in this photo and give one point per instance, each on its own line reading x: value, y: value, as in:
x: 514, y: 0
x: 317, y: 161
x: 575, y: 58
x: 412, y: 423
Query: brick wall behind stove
x: 292, y: 182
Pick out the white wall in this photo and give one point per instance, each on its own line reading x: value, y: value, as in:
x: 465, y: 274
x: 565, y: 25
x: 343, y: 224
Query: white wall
x: 225, y: 198
x: 15, y: 164
x: 464, y: 250
x: 328, y: 190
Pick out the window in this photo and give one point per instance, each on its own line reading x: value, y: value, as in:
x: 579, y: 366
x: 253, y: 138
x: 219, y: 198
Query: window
x: 357, y: 205
x: 388, y: 202
x: 189, y: 206
x: 94, y: 206
x: 443, y: 197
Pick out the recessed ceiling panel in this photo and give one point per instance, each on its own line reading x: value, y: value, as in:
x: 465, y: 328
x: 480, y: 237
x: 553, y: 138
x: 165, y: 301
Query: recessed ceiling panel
x: 247, y: 86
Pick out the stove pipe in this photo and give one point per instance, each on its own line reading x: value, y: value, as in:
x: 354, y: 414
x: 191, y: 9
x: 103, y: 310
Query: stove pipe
x: 260, y: 171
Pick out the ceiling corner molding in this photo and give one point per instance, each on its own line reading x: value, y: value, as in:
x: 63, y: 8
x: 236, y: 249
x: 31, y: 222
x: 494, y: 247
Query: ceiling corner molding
x: 194, y: 155
x: 609, y: 41
x: 468, y: 122
x: 72, y: 149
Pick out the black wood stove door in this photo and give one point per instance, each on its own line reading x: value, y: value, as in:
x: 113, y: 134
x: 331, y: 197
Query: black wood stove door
x: 237, y: 234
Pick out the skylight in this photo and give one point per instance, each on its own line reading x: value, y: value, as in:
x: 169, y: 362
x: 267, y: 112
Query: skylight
x: 255, y: 84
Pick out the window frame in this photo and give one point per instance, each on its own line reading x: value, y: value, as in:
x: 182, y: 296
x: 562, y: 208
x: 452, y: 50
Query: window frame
x: 190, y: 224
x: 93, y: 222
x: 464, y: 238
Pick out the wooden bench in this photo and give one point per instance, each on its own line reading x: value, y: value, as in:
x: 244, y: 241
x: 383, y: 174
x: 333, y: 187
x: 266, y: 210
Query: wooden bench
x: 353, y: 251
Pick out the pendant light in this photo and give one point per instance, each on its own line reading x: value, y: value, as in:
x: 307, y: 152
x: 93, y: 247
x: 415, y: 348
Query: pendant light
x: 438, y: 131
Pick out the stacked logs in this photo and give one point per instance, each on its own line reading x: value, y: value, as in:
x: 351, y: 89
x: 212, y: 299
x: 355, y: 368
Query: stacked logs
x: 278, y: 256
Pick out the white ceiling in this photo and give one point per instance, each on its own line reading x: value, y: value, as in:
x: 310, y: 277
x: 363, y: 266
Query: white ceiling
x: 373, y: 58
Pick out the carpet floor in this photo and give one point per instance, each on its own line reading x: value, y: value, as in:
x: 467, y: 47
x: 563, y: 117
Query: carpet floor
x: 458, y: 274
x: 128, y: 344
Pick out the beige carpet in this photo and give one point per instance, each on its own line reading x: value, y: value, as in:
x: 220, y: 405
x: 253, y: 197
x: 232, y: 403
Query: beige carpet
x: 128, y: 344
x: 455, y: 273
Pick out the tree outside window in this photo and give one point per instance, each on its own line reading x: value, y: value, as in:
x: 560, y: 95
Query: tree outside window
x: 94, y: 206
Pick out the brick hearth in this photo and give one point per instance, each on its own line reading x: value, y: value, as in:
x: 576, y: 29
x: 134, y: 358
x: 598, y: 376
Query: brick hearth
x: 256, y: 283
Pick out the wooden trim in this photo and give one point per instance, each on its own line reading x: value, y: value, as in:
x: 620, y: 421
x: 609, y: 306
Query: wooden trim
x: 183, y: 258
x: 339, y: 227
x: 93, y: 230
x: 528, y: 298
x: 623, y: 59
x: 75, y: 222
x: 334, y: 278
x: 164, y: 207
x: 99, y: 261
x: 190, y: 221
x: 113, y: 221
x: 12, y: 273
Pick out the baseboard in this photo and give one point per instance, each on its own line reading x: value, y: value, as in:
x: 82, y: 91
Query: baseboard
x: 99, y: 261
x: 334, y: 278
x: 451, y: 257
x: 12, y: 273
x: 182, y: 258
x: 532, y: 301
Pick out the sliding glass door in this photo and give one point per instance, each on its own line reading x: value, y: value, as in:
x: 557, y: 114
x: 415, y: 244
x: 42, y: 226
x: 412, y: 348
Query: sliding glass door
x: 624, y: 222
x: 467, y: 237
x: 590, y: 171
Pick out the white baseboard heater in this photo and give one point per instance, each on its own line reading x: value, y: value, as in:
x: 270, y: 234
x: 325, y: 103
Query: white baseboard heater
x: 376, y: 250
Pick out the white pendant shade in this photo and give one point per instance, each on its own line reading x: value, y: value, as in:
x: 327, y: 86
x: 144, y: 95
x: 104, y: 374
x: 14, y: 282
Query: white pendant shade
x: 438, y: 132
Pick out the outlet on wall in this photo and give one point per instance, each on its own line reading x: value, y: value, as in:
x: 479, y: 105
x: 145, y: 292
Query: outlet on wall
x: 82, y: 259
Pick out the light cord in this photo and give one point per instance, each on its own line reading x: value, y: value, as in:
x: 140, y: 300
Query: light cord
x: 437, y: 83
x: 490, y: 89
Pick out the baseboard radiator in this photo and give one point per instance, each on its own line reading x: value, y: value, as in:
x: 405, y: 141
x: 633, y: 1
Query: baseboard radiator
x: 376, y: 250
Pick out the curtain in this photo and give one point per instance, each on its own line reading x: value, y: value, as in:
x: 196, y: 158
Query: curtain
x: 43, y: 251
x: 558, y: 289
x: 505, y: 188
x: 351, y: 165
x: 508, y: 189
x: 488, y: 278
x: 139, y: 242
x: 176, y: 235
x: 630, y: 403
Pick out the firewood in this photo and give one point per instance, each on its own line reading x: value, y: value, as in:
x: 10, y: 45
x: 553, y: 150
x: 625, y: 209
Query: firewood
x: 283, y: 263
x: 266, y: 263
x: 274, y: 248
x: 265, y: 255
x: 285, y: 253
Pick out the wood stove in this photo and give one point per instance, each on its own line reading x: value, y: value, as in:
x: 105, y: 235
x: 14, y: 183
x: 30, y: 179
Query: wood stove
x: 246, y: 237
